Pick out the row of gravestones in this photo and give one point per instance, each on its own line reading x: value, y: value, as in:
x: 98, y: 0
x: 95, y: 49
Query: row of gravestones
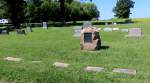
x: 88, y: 68
x: 22, y: 31
x: 133, y: 32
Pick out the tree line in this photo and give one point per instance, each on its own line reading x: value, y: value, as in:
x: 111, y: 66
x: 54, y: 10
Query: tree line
x: 20, y: 11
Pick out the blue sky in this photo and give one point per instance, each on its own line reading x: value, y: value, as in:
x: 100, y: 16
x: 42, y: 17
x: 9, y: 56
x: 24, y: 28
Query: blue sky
x: 141, y: 8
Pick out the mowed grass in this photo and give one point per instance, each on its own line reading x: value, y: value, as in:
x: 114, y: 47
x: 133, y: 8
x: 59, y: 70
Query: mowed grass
x: 58, y: 44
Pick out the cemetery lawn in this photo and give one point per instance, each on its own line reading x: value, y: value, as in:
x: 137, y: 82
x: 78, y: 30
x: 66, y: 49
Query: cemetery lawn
x: 58, y: 44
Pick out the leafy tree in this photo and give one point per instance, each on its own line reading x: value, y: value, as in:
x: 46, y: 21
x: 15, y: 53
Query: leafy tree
x: 15, y: 11
x: 89, y: 11
x: 2, y: 9
x: 122, y: 9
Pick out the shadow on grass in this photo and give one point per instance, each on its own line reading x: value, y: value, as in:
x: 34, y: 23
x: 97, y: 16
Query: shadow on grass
x: 104, y: 47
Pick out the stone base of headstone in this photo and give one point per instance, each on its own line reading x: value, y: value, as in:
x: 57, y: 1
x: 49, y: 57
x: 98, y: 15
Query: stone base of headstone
x: 127, y: 71
x: 61, y: 65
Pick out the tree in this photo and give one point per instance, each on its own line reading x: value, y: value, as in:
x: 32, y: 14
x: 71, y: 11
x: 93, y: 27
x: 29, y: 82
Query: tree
x: 122, y: 9
x: 15, y: 11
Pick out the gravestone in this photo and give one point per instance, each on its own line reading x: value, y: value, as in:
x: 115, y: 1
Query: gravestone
x: 77, y: 31
x: 108, y: 29
x: 45, y: 25
x: 134, y: 32
x: 4, y: 31
x: 87, y: 24
x: 127, y: 71
x: 90, y: 39
x: 61, y: 65
x: 94, y: 69
x: 124, y: 30
x: 12, y: 59
x: 21, y: 32
x: 29, y: 29
x: 115, y: 29
x: 106, y: 24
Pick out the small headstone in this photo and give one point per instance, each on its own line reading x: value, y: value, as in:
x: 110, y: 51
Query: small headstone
x: 115, y: 23
x: 115, y: 29
x: 108, y: 29
x: 20, y: 31
x: 124, y: 30
x: 87, y: 24
x: 61, y: 65
x: 106, y: 23
x: 94, y: 69
x: 12, y: 59
x: 29, y: 29
x: 135, y: 32
x: 77, y: 31
x: 45, y: 25
x: 4, y: 31
x: 127, y: 71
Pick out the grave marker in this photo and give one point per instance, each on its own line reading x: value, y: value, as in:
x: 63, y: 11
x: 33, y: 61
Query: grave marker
x: 94, y: 69
x: 87, y: 24
x: 134, y: 32
x: 127, y: 71
x: 12, y: 59
x: 108, y: 29
x: 45, y: 25
x: 90, y: 39
x: 124, y: 30
x: 115, y: 29
x: 77, y: 31
x: 61, y: 65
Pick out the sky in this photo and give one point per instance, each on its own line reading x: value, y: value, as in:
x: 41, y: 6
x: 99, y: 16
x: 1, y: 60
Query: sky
x: 141, y: 8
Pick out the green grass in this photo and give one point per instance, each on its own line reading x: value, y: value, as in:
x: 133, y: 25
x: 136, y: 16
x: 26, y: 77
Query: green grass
x: 58, y: 44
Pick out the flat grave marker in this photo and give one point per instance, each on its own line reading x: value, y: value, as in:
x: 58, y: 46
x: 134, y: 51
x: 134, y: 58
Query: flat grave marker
x: 61, y: 65
x: 12, y: 59
x: 124, y: 30
x: 134, y: 32
x: 115, y: 29
x: 94, y: 69
x: 127, y: 71
x: 108, y: 29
